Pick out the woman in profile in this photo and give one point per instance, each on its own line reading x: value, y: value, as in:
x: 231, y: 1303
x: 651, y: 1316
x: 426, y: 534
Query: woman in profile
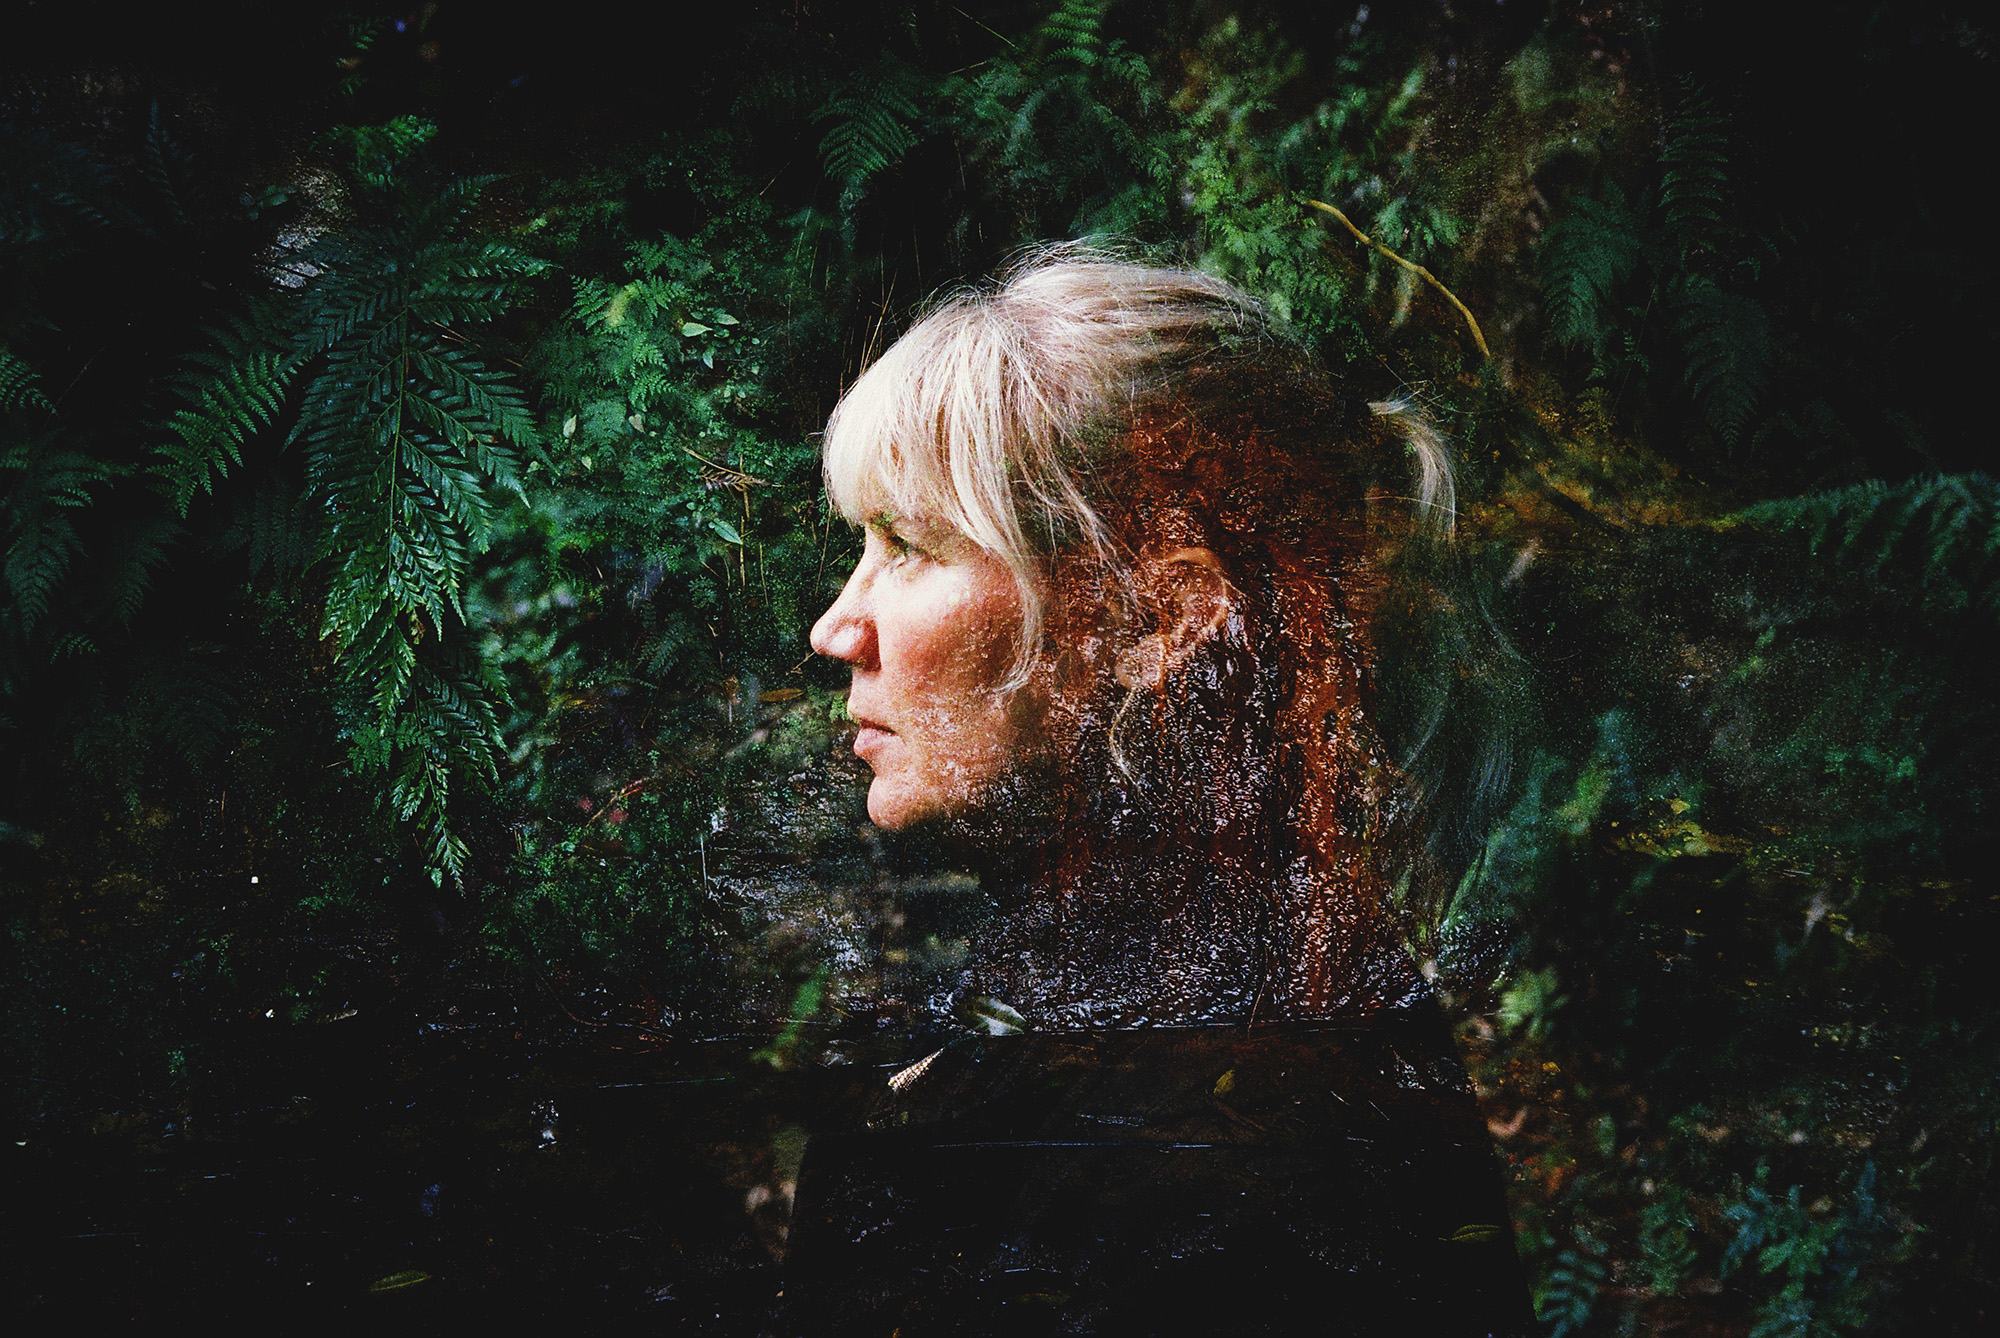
x: 1112, y: 633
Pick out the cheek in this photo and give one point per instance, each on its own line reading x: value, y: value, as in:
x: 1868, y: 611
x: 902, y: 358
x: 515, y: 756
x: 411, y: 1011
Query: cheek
x: 976, y: 635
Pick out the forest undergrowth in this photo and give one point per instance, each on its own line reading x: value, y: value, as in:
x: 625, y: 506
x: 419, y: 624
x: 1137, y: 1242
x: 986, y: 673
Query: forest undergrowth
x: 411, y: 526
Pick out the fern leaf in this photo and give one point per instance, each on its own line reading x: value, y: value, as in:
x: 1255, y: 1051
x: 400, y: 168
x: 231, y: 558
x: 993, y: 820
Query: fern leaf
x: 412, y: 443
x: 1726, y: 341
x: 377, y: 649
x: 19, y: 386
x: 1941, y: 535
x: 873, y: 118
x: 420, y: 793
x: 39, y: 540
x: 231, y: 391
x: 191, y: 701
x: 137, y: 551
x: 362, y: 279
x: 164, y: 161
x: 38, y: 556
x: 1585, y: 258
x: 268, y: 523
x: 455, y: 708
x: 1072, y: 33
x: 491, y: 400
x: 1694, y: 165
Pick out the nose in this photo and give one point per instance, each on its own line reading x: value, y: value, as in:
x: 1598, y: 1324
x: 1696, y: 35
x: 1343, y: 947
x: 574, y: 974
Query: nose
x: 845, y: 632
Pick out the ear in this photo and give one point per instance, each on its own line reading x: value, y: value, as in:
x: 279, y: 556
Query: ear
x: 1192, y: 598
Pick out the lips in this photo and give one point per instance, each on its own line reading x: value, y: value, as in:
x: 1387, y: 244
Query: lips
x: 870, y: 735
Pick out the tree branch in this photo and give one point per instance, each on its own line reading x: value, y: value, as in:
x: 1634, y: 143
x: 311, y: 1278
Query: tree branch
x: 1418, y: 270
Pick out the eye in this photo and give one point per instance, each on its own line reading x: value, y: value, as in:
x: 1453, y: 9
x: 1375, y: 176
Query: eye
x: 900, y: 547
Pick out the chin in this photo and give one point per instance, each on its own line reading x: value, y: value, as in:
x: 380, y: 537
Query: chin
x: 998, y: 818
x: 894, y: 811
x: 886, y: 815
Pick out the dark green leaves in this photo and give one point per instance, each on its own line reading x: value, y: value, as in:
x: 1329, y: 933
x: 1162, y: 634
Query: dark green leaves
x: 412, y: 444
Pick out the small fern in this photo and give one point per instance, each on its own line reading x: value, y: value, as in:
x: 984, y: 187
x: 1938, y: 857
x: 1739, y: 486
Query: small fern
x: 1694, y: 170
x: 1566, y: 1297
x: 1071, y: 33
x: 1585, y: 258
x: 1608, y: 266
x: 229, y: 392
x: 167, y: 168
x: 269, y: 523
x: 43, y: 484
x: 873, y: 120
x: 1941, y: 532
x: 1726, y: 343
x: 20, y: 388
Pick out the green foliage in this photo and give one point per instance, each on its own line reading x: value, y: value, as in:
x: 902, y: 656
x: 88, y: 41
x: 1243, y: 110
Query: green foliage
x: 1726, y: 349
x: 18, y: 388
x: 1567, y: 1295
x: 1608, y: 265
x: 1694, y: 170
x: 1733, y: 911
x: 871, y: 123
x: 1062, y: 131
x: 1071, y: 31
x: 342, y: 551
x: 412, y: 447
x: 1938, y: 535
x: 44, y: 485
x: 1588, y: 256
x: 374, y: 153
x: 230, y: 393
x: 1816, y: 1253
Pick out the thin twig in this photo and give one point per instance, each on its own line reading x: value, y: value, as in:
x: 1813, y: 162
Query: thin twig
x: 728, y: 475
x: 995, y: 31
x: 1418, y: 270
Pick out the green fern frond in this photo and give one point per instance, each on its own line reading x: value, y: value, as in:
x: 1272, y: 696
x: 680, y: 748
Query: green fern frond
x: 361, y: 279
x: 128, y: 564
x: 1586, y: 256
x: 1941, y: 534
x: 420, y: 793
x: 373, y: 639
x: 165, y: 164
x: 268, y: 523
x: 38, y: 556
x: 1726, y: 341
x: 1694, y: 163
x: 458, y: 489
x: 436, y: 209
x: 490, y: 399
x: 1072, y: 32
x: 191, y: 701
x: 19, y: 386
x: 453, y: 706
x: 51, y: 189
x: 231, y: 391
x: 1566, y: 1297
x: 375, y: 153
x: 42, y: 483
x: 873, y: 118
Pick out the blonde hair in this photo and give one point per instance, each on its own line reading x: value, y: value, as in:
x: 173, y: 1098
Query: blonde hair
x: 1001, y: 410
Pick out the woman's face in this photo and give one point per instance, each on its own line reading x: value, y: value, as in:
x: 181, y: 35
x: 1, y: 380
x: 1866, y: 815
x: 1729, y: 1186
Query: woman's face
x: 930, y: 624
